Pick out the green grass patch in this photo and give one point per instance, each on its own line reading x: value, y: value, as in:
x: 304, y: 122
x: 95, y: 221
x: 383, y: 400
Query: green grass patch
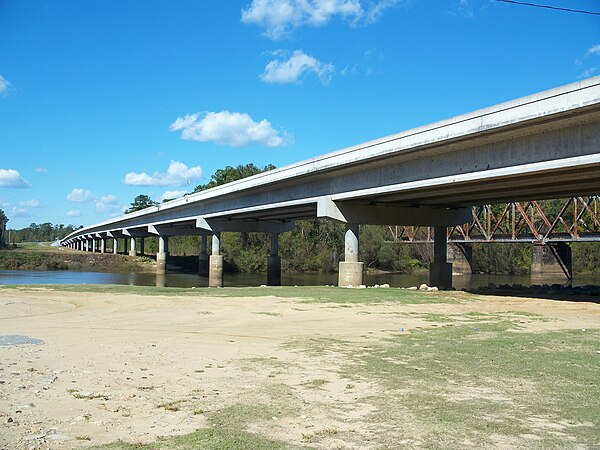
x: 209, y: 439
x: 307, y: 294
x: 452, y: 386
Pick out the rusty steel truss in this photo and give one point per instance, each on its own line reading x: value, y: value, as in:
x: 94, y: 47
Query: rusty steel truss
x: 547, y: 221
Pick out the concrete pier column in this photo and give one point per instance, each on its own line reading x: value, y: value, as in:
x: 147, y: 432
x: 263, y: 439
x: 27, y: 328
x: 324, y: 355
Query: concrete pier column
x: 88, y: 245
x: 102, y: 245
x: 132, y: 251
x: 94, y: 245
x: 551, y: 260
x: 350, y: 270
x: 203, y: 258
x: 440, y: 271
x: 461, y: 257
x: 115, y: 245
x: 215, y: 271
x: 274, y: 262
x: 161, y: 256
x: 142, y: 249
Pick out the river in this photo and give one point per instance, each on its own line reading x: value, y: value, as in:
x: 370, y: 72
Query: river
x: 252, y: 279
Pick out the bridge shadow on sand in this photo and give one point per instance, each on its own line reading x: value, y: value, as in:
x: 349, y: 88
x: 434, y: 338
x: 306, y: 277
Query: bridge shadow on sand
x: 587, y: 293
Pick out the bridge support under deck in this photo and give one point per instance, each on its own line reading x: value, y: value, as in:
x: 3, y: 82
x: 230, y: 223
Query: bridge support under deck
x: 132, y: 250
x: 274, y: 262
x: 215, y: 272
x: 350, y: 270
x: 551, y: 260
x: 461, y: 257
x: 203, y: 258
x: 161, y: 256
x: 102, y: 245
x: 115, y: 245
x: 440, y: 271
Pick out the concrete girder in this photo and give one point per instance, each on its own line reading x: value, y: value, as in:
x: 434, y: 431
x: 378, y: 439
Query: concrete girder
x: 244, y: 225
x: 135, y: 232
x: 166, y: 230
x: 385, y: 214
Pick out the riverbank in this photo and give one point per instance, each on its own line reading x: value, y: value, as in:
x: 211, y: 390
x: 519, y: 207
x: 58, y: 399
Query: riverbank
x: 46, y: 257
x: 295, y: 367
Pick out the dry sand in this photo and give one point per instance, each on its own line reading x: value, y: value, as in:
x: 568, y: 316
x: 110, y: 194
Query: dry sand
x: 111, y: 365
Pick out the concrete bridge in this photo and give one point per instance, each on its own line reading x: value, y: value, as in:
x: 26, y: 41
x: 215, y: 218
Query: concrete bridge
x: 545, y: 145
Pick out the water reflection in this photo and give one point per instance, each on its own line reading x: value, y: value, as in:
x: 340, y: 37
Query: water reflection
x: 251, y: 279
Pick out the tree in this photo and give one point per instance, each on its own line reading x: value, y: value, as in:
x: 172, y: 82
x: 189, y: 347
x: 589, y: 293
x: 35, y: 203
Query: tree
x: 141, y: 202
x: 3, y: 220
x: 229, y: 174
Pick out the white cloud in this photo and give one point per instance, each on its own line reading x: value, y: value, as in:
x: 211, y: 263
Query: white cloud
x: 18, y: 212
x: 588, y: 73
x: 227, y: 128
x: 4, y: 85
x: 41, y: 170
x: 177, y: 174
x: 172, y: 195
x: 293, y: 69
x: 73, y: 213
x: 463, y: 8
x: 109, y: 204
x: 80, y: 195
x: 584, y: 64
x: 30, y: 203
x: 10, y: 178
x: 280, y: 17
x: 595, y: 50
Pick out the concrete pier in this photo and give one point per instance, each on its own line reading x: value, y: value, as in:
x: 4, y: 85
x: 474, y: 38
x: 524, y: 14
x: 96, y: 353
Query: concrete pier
x: 350, y: 270
x: 132, y: 251
x: 440, y: 271
x: 161, y: 256
x: 551, y: 261
x: 115, y: 245
x: 215, y: 272
x: 102, y: 245
x: 461, y: 257
x: 203, y: 258
x: 274, y: 262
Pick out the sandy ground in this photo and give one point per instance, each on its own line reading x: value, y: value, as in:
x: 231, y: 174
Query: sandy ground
x: 110, y: 365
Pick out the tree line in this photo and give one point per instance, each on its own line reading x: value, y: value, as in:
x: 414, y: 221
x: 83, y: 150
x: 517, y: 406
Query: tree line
x: 42, y: 232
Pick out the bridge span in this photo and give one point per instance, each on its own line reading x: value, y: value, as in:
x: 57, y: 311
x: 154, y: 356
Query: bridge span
x: 542, y: 146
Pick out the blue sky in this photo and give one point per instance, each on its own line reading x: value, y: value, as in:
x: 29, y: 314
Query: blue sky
x: 103, y: 100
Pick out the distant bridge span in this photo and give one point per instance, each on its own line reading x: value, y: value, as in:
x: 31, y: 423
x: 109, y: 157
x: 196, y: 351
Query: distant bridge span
x: 545, y: 145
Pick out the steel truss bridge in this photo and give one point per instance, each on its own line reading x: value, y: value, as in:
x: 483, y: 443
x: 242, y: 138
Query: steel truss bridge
x: 574, y: 219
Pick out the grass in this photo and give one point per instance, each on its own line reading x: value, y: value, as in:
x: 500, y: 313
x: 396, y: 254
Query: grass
x: 487, y: 385
x: 45, y: 257
x: 207, y: 438
x: 307, y: 294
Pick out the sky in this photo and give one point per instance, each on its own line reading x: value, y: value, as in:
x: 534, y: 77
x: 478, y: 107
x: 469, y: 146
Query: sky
x: 101, y: 101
